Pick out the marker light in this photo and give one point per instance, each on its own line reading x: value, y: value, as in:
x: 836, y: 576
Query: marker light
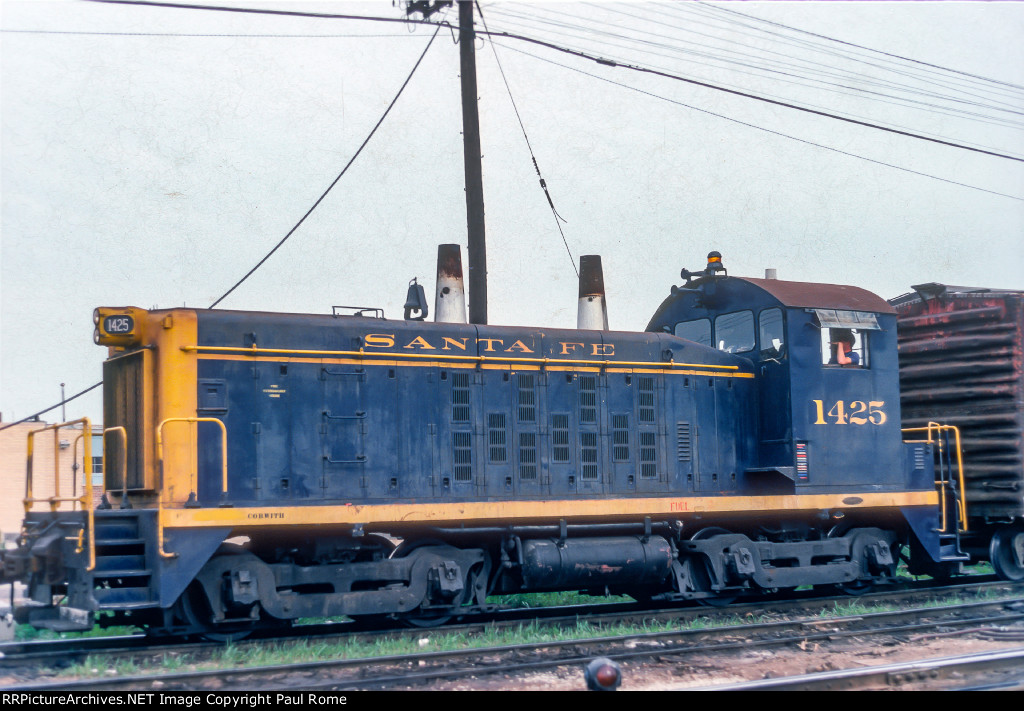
x: 602, y: 674
x: 714, y: 263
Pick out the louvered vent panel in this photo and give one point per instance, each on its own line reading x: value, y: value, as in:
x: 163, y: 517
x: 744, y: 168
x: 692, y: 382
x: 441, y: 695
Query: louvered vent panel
x: 684, y: 447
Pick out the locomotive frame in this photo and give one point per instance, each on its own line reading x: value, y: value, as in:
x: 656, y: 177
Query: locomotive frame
x: 265, y: 467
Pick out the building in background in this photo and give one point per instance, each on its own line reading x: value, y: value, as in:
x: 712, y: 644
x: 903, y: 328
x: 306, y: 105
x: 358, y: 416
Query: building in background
x: 68, y: 449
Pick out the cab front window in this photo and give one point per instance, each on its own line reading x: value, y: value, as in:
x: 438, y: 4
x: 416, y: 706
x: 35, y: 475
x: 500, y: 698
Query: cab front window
x: 698, y: 331
x: 734, y: 333
x: 771, y: 332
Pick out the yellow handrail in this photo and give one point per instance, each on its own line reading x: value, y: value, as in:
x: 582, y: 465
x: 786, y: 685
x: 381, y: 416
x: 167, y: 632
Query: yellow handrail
x: 74, y: 461
x: 192, y: 467
x: 935, y: 428
x: 254, y: 350
x: 55, y: 501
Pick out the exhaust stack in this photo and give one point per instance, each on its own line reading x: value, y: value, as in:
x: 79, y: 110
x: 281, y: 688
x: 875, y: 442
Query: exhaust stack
x: 593, y: 312
x: 450, y: 300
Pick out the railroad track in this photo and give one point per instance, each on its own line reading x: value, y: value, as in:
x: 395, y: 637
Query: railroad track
x: 64, y: 652
x: 430, y: 669
x: 1000, y: 670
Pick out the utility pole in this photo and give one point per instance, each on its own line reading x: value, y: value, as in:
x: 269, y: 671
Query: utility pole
x: 477, y: 253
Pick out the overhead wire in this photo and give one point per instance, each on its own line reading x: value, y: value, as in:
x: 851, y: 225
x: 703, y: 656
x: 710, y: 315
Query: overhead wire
x: 617, y: 29
x: 195, y: 34
x: 759, y: 128
x: 880, y: 63
x: 834, y: 72
x: 750, y: 61
x: 544, y: 186
x: 335, y: 182
x: 958, y: 113
x: 52, y: 407
x: 584, y: 55
x: 851, y: 44
x: 578, y: 53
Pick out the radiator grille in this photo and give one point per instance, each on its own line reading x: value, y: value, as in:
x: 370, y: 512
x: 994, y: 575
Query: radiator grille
x: 527, y: 456
x: 527, y: 398
x: 645, y: 396
x: 124, y: 406
x: 588, y: 456
x: 620, y: 438
x: 588, y: 400
x: 462, y: 456
x: 648, y: 455
x: 497, y: 438
x: 460, y: 397
x: 560, y: 438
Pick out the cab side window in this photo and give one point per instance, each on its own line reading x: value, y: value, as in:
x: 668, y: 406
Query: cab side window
x: 734, y: 333
x: 844, y: 347
x: 771, y: 332
x: 698, y: 330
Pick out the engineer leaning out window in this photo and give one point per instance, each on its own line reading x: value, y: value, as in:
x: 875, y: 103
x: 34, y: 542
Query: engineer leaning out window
x: 843, y: 348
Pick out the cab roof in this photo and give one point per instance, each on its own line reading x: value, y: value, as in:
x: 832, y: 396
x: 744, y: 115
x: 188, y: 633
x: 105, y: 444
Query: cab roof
x: 800, y: 294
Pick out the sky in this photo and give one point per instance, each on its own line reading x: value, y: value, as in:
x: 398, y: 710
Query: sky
x: 152, y: 156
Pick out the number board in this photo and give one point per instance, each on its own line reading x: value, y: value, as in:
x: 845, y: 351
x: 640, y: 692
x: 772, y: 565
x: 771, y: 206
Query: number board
x: 118, y: 325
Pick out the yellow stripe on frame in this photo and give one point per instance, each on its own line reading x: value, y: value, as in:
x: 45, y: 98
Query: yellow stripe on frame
x: 509, y: 512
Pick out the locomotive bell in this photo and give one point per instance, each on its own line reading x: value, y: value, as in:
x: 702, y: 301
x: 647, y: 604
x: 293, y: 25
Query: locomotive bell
x: 415, y: 300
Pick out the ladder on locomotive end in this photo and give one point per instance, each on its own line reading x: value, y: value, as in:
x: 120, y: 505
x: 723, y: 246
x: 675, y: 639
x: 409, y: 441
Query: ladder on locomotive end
x: 949, y: 482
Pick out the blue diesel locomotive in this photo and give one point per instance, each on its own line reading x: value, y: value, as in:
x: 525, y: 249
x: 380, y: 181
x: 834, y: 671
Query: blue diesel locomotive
x: 264, y: 467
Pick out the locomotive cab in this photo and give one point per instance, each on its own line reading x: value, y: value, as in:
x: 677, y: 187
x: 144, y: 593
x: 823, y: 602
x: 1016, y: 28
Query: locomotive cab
x: 825, y: 362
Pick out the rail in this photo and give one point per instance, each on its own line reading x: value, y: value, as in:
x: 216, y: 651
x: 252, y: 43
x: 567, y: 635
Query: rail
x: 193, y: 468
x: 254, y: 350
x: 938, y: 434
x: 85, y: 500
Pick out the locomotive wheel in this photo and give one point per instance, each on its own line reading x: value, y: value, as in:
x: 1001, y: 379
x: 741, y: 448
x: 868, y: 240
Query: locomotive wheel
x: 194, y: 608
x: 719, y: 600
x: 1006, y: 551
x: 420, y: 617
x: 853, y: 588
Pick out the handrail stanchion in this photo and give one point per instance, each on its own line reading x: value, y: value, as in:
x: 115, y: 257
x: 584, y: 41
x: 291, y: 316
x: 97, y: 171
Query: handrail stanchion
x: 938, y: 434
x: 55, y: 501
x: 74, y: 462
x: 192, y: 463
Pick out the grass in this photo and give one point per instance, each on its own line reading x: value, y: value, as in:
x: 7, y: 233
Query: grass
x: 233, y: 655
x: 28, y: 633
x: 552, y: 599
x: 440, y: 640
x: 293, y: 652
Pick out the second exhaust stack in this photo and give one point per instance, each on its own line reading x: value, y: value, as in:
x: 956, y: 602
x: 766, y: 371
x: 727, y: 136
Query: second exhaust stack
x: 450, y: 300
x: 593, y: 312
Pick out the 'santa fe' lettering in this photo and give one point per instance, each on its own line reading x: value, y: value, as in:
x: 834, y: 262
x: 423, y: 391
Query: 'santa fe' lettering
x: 488, y: 345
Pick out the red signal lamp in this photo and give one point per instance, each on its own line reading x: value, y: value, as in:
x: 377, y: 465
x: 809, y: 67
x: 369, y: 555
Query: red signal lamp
x: 602, y: 674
